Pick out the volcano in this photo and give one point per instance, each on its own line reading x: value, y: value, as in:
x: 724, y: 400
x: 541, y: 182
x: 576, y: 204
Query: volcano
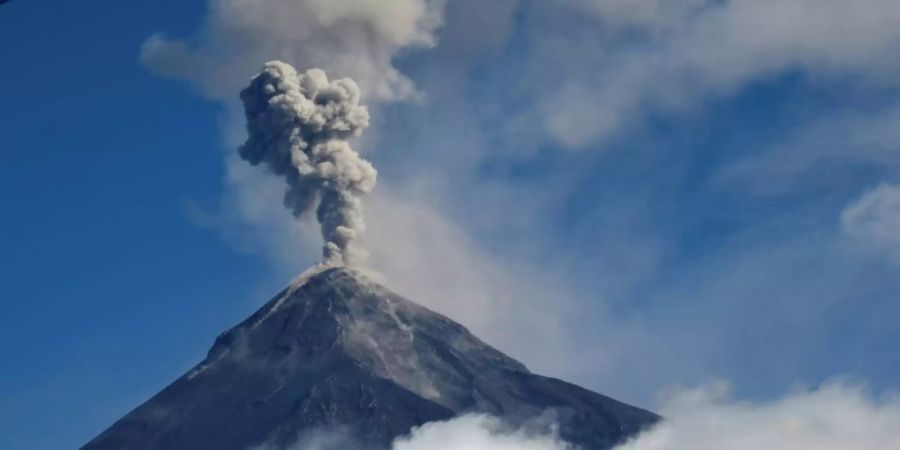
x: 336, y: 351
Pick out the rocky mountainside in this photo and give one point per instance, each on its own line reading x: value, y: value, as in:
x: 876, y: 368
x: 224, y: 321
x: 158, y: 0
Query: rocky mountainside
x: 337, y: 351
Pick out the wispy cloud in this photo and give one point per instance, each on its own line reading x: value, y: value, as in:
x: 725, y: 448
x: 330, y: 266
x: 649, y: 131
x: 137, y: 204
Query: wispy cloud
x: 873, y: 221
x: 672, y: 57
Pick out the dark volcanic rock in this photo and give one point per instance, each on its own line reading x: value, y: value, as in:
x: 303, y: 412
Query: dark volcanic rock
x: 338, y: 351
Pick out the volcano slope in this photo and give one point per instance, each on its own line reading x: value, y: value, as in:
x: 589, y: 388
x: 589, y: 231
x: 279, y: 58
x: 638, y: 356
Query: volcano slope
x: 335, y: 352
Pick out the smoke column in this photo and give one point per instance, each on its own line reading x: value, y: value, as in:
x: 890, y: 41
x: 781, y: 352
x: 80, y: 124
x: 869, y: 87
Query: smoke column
x: 298, y: 126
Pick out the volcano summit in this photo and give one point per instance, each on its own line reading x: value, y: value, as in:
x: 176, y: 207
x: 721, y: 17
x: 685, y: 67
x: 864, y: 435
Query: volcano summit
x: 335, y: 351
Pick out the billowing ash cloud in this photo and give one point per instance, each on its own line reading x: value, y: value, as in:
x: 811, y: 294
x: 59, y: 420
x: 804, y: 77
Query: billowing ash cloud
x: 298, y: 126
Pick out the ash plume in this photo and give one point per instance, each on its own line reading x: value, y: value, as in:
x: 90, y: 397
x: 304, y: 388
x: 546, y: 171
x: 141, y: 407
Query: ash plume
x: 298, y: 126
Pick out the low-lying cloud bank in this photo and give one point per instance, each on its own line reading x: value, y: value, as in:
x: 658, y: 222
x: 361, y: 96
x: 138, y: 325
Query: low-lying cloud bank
x: 468, y: 432
x: 832, y: 417
x: 475, y: 432
x: 836, y: 416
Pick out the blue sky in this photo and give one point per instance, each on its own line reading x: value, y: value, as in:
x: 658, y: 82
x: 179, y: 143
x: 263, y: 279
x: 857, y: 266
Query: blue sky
x: 98, y: 259
x: 628, y: 198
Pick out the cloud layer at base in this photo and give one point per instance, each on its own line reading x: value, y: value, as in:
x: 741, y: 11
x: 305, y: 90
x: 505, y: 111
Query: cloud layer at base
x: 475, y: 432
x: 832, y: 417
x: 468, y: 432
x: 835, y: 416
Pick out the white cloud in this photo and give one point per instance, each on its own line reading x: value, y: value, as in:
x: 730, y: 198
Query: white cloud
x: 466, y: 432
x: 475, y: 432
x: 834, y: 417
x: 873, y: 220
x: 695, y: 52
x: 350, y: 38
